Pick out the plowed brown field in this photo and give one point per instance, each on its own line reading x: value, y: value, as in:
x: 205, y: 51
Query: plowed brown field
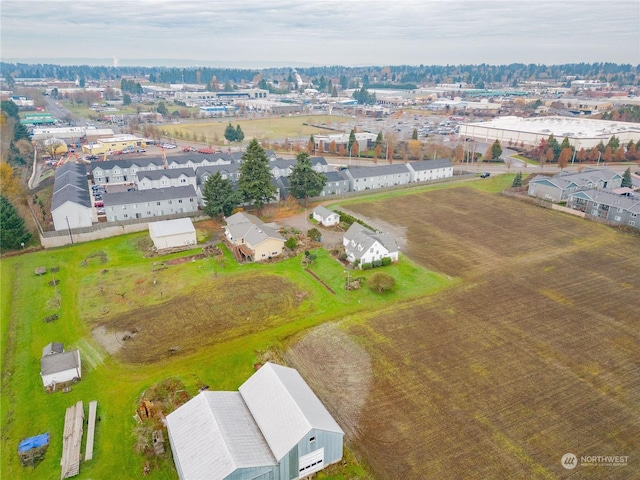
x: 535, y: 353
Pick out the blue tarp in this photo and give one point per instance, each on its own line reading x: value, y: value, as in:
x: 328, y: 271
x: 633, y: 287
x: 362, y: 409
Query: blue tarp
x: 33, y: 442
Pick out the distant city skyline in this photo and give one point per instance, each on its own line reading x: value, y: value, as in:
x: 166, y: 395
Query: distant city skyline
x: 259, y: 34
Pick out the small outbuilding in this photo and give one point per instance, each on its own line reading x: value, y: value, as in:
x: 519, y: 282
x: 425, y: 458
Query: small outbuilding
x: 170, y: 234
x: 326, y: 217
x: 58, y: 366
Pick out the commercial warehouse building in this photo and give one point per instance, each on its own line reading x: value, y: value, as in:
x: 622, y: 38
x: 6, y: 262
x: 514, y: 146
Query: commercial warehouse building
x: 581, y: 132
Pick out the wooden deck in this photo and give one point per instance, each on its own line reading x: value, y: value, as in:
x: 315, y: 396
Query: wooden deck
x: 91, y: 428
x: 72, y: 440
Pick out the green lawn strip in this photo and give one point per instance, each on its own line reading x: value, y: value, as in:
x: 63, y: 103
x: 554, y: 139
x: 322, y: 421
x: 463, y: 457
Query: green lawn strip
x: 26, y: 299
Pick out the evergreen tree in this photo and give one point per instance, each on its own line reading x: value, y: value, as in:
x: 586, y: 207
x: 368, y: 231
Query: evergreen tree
x: 304, y: 181
x: 517, y: 180
x: 414, y: 134
x: 352, y: 140
x: 626, y: 179
x: 553, y: 143
x: 230, y: 133
x: 162, y: 109
x: 12, y: 230
x: 239, y: 134
x: 255, y: 185
x: 496, y: 150
x: 219, y: 196
x: 379, y: 140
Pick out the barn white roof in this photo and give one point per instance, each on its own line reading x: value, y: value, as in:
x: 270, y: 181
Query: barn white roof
x: 214, y: 434
x: 284, y: 407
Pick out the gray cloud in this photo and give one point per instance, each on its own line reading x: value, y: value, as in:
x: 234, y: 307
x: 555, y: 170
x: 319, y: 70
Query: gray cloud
x: 344, y: 32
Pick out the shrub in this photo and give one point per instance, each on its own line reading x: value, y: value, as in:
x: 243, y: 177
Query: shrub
x: 381, y: 282
x: 291, y: 243
x: 314, y: 234
x: 367, y: 266
x: 386, y: 261
x: 376, y: 263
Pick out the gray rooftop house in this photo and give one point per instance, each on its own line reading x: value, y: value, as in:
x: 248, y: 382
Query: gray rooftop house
x: 558, y: 187
x: 370, y: 178
x: 150, y: 203
x: 607, y: 206
x: 71, y: 201
x: 273, y: 428
x: 252, y: 240
x: 363, y: 245
x: 170, y: 177
x: 425, y: 170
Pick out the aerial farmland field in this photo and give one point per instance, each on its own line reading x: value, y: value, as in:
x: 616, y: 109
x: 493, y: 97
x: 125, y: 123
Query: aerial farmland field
x: 512, y: 338
x: 534, y: 354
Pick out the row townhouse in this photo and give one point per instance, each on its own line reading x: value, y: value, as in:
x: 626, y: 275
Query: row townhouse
x: 558, y: 187
x: 380, y: 176
x: 125, y: 171
x: 150, y: 203
x: 607, y: 206
x: 171, y: 177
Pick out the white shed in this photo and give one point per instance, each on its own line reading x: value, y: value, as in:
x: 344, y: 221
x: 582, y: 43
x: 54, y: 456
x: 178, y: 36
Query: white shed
x: 173, y: 233
x: 325, y: 216
x: 60, y: 367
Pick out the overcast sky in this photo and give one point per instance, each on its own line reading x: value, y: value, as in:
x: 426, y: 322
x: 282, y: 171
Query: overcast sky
x: 260, y: 33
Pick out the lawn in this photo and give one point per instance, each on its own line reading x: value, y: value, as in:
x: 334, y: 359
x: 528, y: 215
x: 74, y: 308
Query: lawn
x: 271, y: 128
x: 220, y: 315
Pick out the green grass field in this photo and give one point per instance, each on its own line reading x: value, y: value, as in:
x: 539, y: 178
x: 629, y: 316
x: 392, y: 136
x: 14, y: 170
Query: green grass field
x: 222, y: 315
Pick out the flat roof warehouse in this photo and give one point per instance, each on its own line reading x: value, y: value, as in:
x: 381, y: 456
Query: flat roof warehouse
x: 581, y: 132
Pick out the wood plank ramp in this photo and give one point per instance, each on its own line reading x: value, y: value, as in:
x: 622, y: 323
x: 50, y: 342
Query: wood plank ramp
x: 72, y: 440
x: 91, y: 427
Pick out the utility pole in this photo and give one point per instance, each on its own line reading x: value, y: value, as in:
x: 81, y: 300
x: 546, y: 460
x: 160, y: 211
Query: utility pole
x: 69, y: 228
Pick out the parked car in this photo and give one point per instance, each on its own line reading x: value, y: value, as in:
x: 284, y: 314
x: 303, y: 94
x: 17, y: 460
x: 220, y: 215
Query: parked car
x: 99, y: 204
x: 485, y: 174
x: 97, y: 196
x: 101, y: 211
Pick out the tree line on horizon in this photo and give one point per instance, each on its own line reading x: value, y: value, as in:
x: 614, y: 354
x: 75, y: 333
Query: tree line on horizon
x: 619, y: 74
